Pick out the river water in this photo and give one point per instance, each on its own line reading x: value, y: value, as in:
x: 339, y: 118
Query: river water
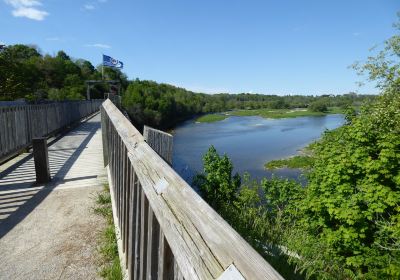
x: 248, y: 141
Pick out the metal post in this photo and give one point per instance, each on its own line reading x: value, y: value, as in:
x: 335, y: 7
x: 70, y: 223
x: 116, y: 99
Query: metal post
x: 41, y: 158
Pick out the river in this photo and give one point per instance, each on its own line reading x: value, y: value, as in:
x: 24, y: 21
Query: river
x: 248, y: 141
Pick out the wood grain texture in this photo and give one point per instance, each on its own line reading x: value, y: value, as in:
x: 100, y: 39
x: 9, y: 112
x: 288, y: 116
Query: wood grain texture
x: 202, y: 245
x: 160, y: 141
x: 19, y: 124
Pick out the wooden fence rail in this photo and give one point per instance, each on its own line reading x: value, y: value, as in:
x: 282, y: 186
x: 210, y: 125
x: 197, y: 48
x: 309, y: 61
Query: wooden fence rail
x: 167, y: 230
x: 19, y: 124
x: 160, y: 141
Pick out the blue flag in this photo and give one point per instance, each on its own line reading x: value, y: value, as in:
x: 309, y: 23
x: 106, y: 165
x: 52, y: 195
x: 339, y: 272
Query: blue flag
x: 112, y: 62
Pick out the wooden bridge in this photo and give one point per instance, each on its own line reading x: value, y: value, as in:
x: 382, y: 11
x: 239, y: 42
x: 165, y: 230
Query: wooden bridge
x: 165, y: 229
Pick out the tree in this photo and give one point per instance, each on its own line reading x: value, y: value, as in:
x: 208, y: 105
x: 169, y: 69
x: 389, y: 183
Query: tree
x: 260, y: 220
x: 351, y: 206
x: 216, y: 184
x: 318, y: 106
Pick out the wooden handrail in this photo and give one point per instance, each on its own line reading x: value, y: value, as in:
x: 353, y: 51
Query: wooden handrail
x: 167, y: 230
x: 19, y: 124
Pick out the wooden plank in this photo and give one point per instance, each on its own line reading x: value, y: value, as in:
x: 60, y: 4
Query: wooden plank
x: 203, y: 226
x: 128, y: 215
x: 160, y: 141
x: 177, y: 273
x: 19, y: 124
x: 10, y: 130
x: 152, y: 246
x: 118, y: 175
x: 123, y: 196
x: 143, y: 235
x: 136, y: 269
x: 2, y: 132
x: 195, y: 259
x: 104, y: 130
x: 168, y: 262
x: 132, y: 227
x: 128, y: 183
x: 202, y: 243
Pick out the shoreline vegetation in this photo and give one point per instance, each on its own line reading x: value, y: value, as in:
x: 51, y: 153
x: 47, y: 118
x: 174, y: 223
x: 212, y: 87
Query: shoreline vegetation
x: 209, y: 118
x: 302, y: 162
x: 268, y: 113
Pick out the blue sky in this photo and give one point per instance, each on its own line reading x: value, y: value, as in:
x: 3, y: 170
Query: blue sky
x: 270, y: 47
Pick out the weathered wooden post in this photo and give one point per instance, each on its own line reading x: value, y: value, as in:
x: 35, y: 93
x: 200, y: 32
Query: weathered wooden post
x: 160, y: 141
x: 41, y: 158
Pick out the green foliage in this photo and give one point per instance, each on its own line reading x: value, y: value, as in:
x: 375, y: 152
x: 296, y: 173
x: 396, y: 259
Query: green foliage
x: 257, y: 211
x: 346, y: 223
x: 298, y: 161
x: 318, y: 106
x: 284, y: 113
x: 56, y: 94
x: 26, y: 73
x: 162, y: 105
x: 159, y: 105
x: 211, y: 118
x: 217, y: 185
x: 108, y: 249
x: 351, y: 205
x: 354, y: 191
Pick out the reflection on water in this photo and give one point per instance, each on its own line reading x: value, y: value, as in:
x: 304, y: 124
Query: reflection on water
x: 248, y: 141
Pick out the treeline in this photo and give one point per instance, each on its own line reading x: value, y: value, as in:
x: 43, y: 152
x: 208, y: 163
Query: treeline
x: 28, y: 74
x: 162, y: 105
x: 223, y: 102
x: 345, y: 223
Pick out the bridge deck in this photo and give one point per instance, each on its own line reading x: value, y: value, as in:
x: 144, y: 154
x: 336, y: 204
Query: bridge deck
x: 49, y: 231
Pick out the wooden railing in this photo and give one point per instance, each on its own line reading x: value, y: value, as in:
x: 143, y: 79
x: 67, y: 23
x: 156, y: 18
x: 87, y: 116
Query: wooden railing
x: 19, y: 124
x: 167, y: 231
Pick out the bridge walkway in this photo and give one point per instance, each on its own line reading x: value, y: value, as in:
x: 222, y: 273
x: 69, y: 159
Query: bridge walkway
x: 49, y: 231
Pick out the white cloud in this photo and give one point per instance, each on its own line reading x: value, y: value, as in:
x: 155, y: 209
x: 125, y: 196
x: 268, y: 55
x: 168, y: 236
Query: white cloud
x: 23, y: 3
x: 101, y: 46
x: 88, y: 7
x: 30, y: 13
x: 27, y: 8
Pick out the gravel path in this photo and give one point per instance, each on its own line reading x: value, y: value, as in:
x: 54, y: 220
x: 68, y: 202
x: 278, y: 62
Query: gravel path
x: 49, y: 231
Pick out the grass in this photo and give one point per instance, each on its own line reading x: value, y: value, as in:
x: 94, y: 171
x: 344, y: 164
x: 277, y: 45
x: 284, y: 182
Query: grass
x: 300, y: 161
x: 108, y: 248
x: 269, y: 113
x: 284, y: 113
x: 211, y: 118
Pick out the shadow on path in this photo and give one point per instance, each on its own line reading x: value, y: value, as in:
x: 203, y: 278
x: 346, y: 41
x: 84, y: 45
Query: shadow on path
x: 17, y: 180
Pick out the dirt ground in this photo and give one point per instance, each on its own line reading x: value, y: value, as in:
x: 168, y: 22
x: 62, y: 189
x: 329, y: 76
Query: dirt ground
x: 56, y: 241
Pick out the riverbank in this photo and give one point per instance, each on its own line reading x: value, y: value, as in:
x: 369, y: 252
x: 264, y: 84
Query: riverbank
x: 211, y: 118
x: 269, y: 113
x: 250, y: 142
x: 294, y: 162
